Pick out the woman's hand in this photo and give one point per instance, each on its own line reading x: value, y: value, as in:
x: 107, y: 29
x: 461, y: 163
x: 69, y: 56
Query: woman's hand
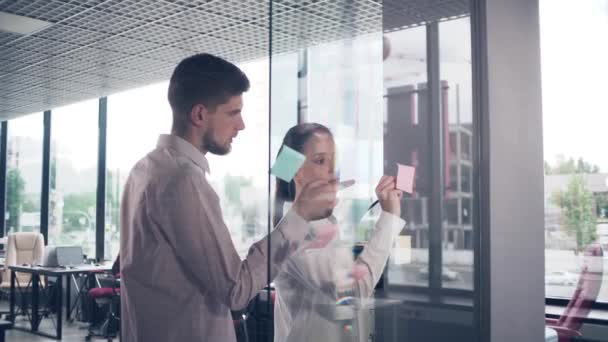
x: 388, y: 196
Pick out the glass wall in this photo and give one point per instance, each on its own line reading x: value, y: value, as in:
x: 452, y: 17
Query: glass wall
x: 457, y: 112
x: 574, y: 72
x: 412, y: 128
x: 135, y: 119
x: 240, y: 178
x: 405, y: 77
x: 350, y: 105
x: 24, y: 173
x: 392, y: 81
x: 392, y: 91
x: 73, y: 176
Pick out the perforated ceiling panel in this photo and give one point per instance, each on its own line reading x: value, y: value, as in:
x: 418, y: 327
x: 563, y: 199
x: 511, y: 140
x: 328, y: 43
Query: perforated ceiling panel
x: 98, y: 47
x: 400, y: 14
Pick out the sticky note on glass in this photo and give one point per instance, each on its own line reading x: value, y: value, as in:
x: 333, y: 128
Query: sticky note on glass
x: 405, y: 178
x: 287, y: 164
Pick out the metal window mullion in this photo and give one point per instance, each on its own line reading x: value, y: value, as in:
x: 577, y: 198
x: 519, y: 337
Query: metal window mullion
x: 269, y: 189
x: 46, y: 177
x: 3, y: 148
x: 100, y: 209
x: 436, y: 143
x: 302, y: 110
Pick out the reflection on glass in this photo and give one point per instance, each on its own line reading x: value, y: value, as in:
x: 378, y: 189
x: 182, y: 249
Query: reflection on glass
x: 24, y: 173
x: 241, y: 178
x: 406, y: 142
x: 349, y: 103
x: 319, y: 282
x: 73, y: 176
x: 457, y: 110
x: 576, y: 163
x: 340, y: 86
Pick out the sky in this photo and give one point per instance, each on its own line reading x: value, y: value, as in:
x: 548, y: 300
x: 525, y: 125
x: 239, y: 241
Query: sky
x: 574, y: 67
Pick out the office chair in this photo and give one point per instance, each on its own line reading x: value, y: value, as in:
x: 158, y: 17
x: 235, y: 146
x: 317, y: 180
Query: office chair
x: 568, y: 324
x: 107, y: 296
x: 21, y: 248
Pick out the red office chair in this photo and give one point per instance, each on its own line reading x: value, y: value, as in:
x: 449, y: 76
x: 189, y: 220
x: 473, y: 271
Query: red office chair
x: 107, y: 296
x: 587, y: 290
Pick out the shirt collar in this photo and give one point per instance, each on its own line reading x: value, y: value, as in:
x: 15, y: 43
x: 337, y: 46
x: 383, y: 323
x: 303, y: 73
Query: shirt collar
x: 183, y: 147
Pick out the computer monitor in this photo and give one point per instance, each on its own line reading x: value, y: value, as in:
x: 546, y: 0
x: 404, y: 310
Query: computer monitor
x: 50, y: 257
x: 69, y: 255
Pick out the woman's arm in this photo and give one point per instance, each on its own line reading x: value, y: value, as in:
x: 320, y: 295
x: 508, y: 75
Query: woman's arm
x: 370, y: 263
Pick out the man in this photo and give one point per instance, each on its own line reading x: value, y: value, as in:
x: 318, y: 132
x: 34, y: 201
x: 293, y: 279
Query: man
x: 181, y: 274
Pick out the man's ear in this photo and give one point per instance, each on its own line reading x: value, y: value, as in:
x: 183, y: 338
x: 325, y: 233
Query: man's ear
x: 199, y: 115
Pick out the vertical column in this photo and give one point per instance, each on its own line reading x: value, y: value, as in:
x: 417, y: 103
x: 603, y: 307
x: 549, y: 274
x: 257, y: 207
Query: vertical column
x: 507, y: 104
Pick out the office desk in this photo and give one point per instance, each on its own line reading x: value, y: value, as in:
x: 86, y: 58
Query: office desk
x: 60, y: 273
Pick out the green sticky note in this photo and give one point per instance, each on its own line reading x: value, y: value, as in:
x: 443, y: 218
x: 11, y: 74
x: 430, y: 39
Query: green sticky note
x: 287, y: 164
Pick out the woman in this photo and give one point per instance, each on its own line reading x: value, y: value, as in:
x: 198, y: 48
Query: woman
x: 323, y: 274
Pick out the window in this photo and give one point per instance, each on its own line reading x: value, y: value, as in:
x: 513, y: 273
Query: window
x: 141, y: 114
x: 451, y: 210
x: 466, y: 144
x: 453, y: 144
x: 73, y: 176
x: 457, y: 109
x: 466, y: 212
x: 454, y: 178
x: 468, y: 239
x: 466, y: 178
x: 574, y: 73
x: 405, y: 77
x: 350, y: 104
x: 24, y: 173
x: 241, y: 177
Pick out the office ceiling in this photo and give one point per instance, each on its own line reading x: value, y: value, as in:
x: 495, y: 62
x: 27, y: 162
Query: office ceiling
x: 94, y: 48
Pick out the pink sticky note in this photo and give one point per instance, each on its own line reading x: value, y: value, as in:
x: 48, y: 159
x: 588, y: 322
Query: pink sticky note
x: 405, y: 178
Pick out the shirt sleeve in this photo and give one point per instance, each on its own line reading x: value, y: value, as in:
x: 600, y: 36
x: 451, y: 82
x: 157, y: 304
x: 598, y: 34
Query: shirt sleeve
x: 375, y: 254
x: 331, y: 269
x: 191, y: 220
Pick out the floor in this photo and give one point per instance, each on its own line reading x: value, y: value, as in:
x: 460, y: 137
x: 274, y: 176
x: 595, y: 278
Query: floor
x: 72, y: 331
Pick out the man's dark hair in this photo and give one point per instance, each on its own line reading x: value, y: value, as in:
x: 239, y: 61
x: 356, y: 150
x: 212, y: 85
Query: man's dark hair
x: 204, y: 79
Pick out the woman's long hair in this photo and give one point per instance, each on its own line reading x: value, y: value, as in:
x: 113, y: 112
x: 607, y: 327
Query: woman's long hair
x: 295, y: 138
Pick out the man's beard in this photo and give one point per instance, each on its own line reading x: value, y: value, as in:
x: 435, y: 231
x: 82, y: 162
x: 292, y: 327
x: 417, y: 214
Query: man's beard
x: 210, y: 145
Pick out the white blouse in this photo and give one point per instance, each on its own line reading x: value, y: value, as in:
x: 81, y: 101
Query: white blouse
x: 315, y: 280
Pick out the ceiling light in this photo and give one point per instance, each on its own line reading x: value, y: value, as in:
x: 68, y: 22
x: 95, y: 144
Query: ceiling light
x: 20, y: 24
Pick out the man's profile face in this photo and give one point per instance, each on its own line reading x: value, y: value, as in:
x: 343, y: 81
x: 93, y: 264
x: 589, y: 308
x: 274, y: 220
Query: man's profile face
x: 224, y: 124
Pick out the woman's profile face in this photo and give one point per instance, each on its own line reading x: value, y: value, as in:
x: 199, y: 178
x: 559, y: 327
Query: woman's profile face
x: 320, y: 155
